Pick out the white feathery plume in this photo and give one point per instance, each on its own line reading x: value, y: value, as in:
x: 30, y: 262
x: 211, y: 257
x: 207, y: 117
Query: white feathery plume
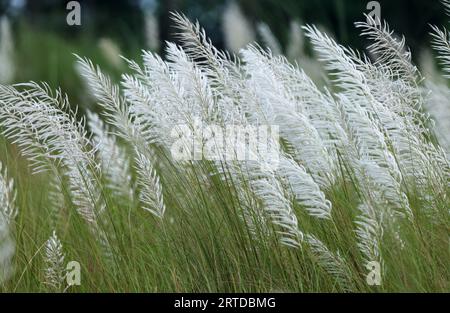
x: 276, y: 205
x: 441, y: 45
x: 305, y: 142
x: 217, y: 64
x: 439, y: 93
x: 168, y: 106
x: 353, y: 75
x: 168, y: 94
x: 238, y: 32
x: 7, y: 197
x: 194, y: 83
x: 279, y: 211
x: 160, y: 100
x: 264, y: 182
x: 360, y: 112
x: 338, y: 62
x: 108, y: 96
x: 399, y: 123
x: 55, y: 197
x: 55, y: 271
x: 119, y: 115
x: 225, y: 75
x: 8, y: 212
x: 35, y: 120
x: 390, y: 52
x: 333, y: 263
x: 368, y: 140
x: 196, y: 43
x: 305, y: 190
x: 393, y: 79
x: 266, y: 186
x: 140, y: 111
x: 278, y: 106
x: 402, y: 118
x: 113, y: 159
x: 85, y: 192
x: 375, y: 167
x: 369, y: 233
x: 319, y: 107
x: 393, y: 69
x: 151, y: 190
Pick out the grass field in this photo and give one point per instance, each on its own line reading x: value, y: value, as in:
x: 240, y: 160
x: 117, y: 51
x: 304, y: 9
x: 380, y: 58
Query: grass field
x: 360, y: 176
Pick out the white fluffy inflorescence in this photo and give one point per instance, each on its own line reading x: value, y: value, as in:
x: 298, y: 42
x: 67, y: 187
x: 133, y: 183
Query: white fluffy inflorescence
x: 7, y: 196
x: 8, y: 212
x: 55, y: 270
x: 113, y: 158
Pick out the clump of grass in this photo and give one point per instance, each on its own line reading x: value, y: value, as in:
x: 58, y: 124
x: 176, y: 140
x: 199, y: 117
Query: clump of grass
x: 359, y: 176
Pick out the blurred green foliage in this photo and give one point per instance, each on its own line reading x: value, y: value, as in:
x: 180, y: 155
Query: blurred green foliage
x: 45, y: 43
x: 407, y: 17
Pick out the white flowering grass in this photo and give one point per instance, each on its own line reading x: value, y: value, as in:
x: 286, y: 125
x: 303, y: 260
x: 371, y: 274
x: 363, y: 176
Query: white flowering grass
x: 361, y: 176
